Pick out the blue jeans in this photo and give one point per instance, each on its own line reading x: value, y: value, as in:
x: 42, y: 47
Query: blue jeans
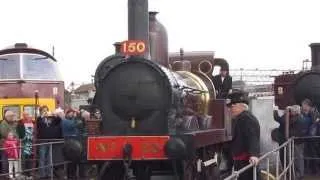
x: 299, y: 161
x: 45, y: 160
x: 4, y: 163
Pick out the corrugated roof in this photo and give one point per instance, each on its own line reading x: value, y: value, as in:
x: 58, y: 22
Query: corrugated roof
x: 85, y: 88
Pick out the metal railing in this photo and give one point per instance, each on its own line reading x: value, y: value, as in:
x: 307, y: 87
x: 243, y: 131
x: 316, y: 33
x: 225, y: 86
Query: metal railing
x: 288, y: 169
x: 287, y: 172
x: 52, y: 147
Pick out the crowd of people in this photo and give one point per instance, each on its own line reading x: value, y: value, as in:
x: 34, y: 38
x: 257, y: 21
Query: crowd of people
x: 19, y: 137
x: 303, y: 122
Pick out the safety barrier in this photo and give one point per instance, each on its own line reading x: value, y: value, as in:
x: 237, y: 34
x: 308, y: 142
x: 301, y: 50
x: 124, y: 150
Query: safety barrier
x: 288, y: 165
x: 49, y: 149
x: 289, y: 170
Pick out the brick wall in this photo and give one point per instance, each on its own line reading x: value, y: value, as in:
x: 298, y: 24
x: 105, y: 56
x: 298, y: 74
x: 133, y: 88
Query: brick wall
x: 93, y: 127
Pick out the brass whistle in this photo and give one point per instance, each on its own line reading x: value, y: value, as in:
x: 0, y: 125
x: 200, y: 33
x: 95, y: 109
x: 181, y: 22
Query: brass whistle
x: 133, y: 123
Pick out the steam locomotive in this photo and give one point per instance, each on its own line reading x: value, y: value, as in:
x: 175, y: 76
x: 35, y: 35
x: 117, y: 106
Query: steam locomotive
x: 158, y: 117
x: 290, y: 88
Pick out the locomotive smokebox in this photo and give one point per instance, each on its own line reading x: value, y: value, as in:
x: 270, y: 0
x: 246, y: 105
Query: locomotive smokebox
x: 138, y: 23
x: 315, y: 56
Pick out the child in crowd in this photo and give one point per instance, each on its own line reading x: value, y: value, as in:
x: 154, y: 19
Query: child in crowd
x: 11, y: 145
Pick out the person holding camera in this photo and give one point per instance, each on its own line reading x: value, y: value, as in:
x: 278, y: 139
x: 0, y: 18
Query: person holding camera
x: 48, y: 130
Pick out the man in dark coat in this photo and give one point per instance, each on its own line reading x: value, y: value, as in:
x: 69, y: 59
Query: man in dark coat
x: 48, y: 131
x: 245, y: 144
x: 223, y: 82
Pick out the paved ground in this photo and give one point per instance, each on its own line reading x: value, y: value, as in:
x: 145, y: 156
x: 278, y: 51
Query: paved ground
x: 153, y: 178
x: 162, y: 178
x: 167, y: 178
x: 312, y: 178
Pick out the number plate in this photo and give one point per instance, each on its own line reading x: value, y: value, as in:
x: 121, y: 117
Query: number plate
x: 110, y: 148
x: 133, y: 47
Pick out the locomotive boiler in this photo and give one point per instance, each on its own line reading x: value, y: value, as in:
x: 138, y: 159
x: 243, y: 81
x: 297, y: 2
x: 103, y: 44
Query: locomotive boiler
x: 290, y: 88
x: 155, y: 120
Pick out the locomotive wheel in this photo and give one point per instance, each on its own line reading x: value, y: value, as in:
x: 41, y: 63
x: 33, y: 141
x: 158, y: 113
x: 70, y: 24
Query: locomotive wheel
x: 190, y: 170
x: 114, y: 172
x: 211, y: 172
x: 143, y: 172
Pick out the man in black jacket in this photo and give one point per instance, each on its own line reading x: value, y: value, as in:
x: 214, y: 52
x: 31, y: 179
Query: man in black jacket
x: 48, y: 130
x: 245, y: 145
x: 223, y: 83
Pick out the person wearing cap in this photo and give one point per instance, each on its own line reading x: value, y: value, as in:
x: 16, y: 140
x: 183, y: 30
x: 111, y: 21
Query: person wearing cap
x: 223, y: 82
x: 245, y: 145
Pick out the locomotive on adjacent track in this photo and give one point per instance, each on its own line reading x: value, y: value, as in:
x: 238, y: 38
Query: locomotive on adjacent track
x: 158, y: 117
x: 292, y: 88
x: 28, y: 75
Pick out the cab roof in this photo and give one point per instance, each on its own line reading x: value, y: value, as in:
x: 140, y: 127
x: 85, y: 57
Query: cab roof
x: 24, y: 48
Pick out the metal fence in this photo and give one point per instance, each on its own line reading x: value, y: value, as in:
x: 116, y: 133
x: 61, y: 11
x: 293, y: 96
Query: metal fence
x: 51, y: 154
x: 286, y: 169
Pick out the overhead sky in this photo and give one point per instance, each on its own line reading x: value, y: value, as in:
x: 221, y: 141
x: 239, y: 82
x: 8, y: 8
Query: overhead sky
x: 261, y: 34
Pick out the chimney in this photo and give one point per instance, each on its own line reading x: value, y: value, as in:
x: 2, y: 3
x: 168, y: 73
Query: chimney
x: 138, y: 23
x: 117, y: 47
x: 315, y: 56
x: 181, y: 54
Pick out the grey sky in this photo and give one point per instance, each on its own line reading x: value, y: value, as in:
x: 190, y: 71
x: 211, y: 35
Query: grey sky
x: 248, y: 33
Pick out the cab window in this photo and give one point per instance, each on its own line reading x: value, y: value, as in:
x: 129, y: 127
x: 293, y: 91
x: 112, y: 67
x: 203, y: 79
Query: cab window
x: 9, y: 66
x: 14, y: 108
x: 36, y: 66
x: 29, y: 109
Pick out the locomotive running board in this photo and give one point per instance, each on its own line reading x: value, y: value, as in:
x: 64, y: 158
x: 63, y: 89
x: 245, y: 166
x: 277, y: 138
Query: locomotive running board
x: 207, y: 137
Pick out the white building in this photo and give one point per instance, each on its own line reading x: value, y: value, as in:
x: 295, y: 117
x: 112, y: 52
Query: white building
x: 82, y: 94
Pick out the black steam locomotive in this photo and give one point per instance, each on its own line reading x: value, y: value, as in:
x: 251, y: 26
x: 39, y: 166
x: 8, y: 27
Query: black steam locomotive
x: 155, y: 119
x: 290, y: 88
